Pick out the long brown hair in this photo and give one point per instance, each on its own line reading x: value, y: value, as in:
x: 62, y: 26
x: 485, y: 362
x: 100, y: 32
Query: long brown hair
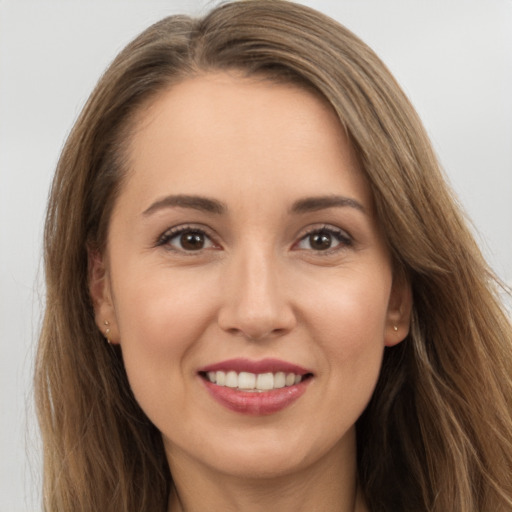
x: 437, y: 434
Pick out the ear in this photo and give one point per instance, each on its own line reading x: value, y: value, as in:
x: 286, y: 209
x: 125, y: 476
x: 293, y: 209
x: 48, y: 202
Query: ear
x: 399, y: 310
x: 101, y: 296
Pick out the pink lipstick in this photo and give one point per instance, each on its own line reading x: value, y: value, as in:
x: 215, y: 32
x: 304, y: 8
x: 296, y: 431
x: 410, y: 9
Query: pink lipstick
x: 255, y: 387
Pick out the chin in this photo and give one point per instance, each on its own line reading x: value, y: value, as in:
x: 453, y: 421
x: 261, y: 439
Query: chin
x: 270, y: 453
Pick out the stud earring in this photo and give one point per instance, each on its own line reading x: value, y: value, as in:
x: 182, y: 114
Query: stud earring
x: 395, y: 328
x: 107, y: 331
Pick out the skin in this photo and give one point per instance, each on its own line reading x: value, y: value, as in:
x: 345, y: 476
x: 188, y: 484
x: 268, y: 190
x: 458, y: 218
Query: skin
x: 259, y: 287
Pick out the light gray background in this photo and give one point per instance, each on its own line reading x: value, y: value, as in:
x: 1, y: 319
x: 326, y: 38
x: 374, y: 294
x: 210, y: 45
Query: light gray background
x: 452, y: 57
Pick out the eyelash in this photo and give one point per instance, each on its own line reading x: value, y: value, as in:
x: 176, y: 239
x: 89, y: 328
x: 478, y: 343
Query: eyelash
x: 343, y: 238
x: 175, y: 232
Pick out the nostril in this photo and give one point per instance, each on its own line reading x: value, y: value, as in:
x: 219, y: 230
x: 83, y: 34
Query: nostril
x: 263, y: 335
x: 256, y: 314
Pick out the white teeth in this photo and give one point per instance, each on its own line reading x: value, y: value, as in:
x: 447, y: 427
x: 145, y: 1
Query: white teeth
x: 251, y: 381
x: 265, y: 381
x: 220, y: 378
x: 246, y: 380
x: 279, y: 380
x: 231, y: 380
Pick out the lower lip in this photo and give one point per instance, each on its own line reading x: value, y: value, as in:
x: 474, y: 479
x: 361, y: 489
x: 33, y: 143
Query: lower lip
x: 256, y: 403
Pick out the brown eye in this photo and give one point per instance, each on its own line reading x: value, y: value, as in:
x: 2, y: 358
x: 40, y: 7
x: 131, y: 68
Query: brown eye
x: 192, y: 241
x: 325, y: 239
x: 186, y: 240
x: 320, y: 241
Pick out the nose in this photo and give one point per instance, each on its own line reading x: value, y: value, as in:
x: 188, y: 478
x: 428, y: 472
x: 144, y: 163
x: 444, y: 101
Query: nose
x: 256, y: 301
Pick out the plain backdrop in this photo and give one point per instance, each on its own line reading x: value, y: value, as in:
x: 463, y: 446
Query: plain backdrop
x: 452, y: 57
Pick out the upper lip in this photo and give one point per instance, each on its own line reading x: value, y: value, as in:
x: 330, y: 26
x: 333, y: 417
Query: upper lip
x: 267, y: 365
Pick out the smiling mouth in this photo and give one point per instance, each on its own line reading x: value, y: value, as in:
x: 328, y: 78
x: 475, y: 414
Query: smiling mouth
x: 254, y: 382
x: 257, y: 388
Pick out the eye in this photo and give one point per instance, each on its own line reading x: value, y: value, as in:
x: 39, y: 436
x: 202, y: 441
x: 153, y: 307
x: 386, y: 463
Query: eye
x: 186, y: 239
x: 324, y: 239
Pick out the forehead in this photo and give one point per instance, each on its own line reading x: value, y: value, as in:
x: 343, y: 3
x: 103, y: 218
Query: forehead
x: 213, y: 129
x: 225, y: 102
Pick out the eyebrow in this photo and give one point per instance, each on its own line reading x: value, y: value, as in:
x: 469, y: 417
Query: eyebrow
x: 313, y: 204
x: 206, y: 204
x: 200, y: 203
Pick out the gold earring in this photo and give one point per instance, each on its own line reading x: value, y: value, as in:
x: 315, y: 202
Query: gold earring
x: 107, y: 331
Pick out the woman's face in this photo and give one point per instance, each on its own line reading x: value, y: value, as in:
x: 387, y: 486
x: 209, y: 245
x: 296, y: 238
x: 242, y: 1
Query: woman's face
x: 245, y: 278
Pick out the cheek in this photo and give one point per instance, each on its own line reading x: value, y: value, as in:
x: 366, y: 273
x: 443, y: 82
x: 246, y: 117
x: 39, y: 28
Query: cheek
x: 351, y: 308
x: 351, y: 337
x: 349, y: 321
x: 160, y: 321
x: 159, y: 309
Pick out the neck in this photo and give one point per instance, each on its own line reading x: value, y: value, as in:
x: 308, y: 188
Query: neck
x: 274, y: 502
x: 329, y: 484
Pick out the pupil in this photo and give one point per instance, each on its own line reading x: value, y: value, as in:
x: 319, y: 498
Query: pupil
x: 192, y: 241
x: 320, y: 241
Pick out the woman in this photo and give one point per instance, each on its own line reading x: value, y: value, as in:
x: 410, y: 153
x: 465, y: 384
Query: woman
x: 260, y: 291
